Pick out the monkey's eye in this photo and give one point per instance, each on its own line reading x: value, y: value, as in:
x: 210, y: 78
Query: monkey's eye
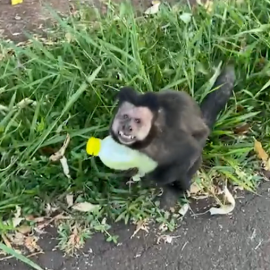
x: 125, y: 116
x: 138, y: 121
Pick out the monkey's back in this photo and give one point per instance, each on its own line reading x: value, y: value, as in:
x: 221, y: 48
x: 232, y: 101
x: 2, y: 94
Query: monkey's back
x: 179, y: 118
x: 181, y: 111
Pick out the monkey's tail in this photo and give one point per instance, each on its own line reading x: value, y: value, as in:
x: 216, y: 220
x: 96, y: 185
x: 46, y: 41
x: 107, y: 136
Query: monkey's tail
x: 216, y: 101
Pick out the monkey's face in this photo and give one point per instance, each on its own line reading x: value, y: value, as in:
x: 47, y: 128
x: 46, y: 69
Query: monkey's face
x: 131, y: 123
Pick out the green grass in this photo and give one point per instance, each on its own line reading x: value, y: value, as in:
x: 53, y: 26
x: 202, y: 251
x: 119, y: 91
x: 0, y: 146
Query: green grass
x: 74, y: 83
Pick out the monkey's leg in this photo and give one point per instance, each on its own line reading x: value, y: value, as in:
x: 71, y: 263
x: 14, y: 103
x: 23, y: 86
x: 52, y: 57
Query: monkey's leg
x: 195, y: 167
x: 173, y: 191
x: 169, y: 197
x: 183, y: 184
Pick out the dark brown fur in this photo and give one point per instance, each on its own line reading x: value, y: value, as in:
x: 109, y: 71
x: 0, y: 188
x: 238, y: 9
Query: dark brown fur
x: 178, y: 131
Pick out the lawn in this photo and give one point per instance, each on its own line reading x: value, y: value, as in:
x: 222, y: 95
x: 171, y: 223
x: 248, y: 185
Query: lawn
x: 66, y: 84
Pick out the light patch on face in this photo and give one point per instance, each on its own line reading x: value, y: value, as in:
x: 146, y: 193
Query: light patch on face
x: 132, y: 113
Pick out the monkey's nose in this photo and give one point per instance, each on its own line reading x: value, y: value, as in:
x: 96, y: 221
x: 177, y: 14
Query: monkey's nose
x: 127, y: 128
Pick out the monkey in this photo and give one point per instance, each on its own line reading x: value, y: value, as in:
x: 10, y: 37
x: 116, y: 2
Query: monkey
x: 171, y: 128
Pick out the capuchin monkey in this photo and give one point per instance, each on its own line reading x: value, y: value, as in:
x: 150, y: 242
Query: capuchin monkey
x: 172, y: 129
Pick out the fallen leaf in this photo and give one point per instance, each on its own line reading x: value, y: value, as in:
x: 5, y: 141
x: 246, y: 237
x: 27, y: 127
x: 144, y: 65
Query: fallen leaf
x: 186, y: 17
x: 235, y: 188
x: 224, y: 209
x: 166, y: 238
x: 61, y: 152
x: 18, y: 211
x: 29, y: 218
x: 65, y: 167
x: 184, y: 209
x: 60, y: 155
x: 31, y: 244
x: 39, y: 219
x: 153, y: 9
x: 163, y: 227
x: 241, y: 130
x: 24, y: 229
x: 85, y: 207
x: 74, y: 241
x: 260, y: 151
x: 16, y: 221
x: 69, y: 199
x: 17, y: 217
x: 262, y: 155
x: 16, y: 239
x: 195, y: 188
x: 141, y: 225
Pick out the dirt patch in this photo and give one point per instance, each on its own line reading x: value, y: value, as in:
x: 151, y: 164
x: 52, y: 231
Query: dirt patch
x: 31, y: 16
x: 239, y: 241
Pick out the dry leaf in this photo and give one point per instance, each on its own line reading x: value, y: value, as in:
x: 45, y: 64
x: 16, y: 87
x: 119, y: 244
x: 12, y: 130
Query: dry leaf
x: 31, y: 244
x: 65, y: 167
x: 141, y: 225
x: 224, y: 209
x: 24, y: 229
x: 61, y: 152
x: 153, y: 9
x: 16, y: 221
x: 235, y: 188
x: 260, y: 151
x: 85, y: 207
x: 69, y: 199
x: 163, y: 227
x: 50, y: 209
x: 16, y: 239
x: 17, y: 217
x: 184, y: 209
x: 262, y: 154
x: 241, y: 130
x: 166, y: 238
x: 39, y: 219
x: 60, y: 155
x: 195, y: 188
x: 18, y: 211
x: 74, y: 240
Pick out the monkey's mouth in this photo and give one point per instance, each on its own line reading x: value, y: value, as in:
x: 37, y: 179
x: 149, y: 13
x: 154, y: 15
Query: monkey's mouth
x: 126, y: 139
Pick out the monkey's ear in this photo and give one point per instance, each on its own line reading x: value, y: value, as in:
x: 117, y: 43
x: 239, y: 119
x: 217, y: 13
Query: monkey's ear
x: 127, y: 94
x: 151, y: 101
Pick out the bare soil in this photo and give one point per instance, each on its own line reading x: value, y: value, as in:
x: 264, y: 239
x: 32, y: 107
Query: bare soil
x: 240, y: 241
